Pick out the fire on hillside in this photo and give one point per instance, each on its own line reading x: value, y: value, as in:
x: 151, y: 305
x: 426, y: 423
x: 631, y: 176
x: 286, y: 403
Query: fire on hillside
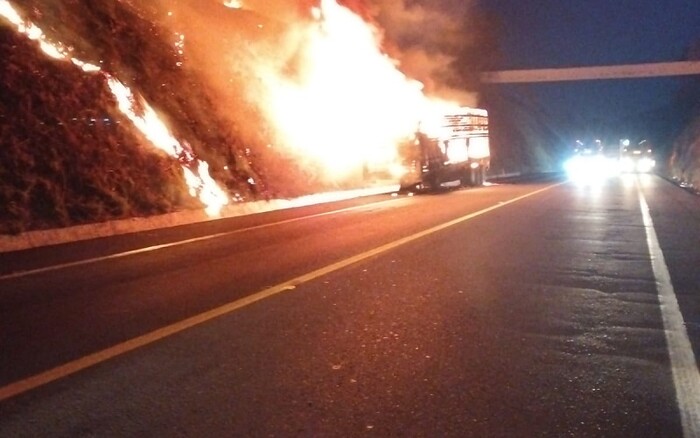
x: 335, y: 101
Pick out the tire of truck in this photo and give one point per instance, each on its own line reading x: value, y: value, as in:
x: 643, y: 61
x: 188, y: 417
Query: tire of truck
x: 475, y: 177
x: 480, y: 176
x: 432, y: 181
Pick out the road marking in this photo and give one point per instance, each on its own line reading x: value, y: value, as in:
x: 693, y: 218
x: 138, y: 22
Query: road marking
x: 60, y: 266
x: 686, y: 378
x: 67, y: 369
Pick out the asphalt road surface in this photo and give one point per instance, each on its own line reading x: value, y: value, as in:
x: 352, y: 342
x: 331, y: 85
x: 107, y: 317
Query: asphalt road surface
x: 528, y: 309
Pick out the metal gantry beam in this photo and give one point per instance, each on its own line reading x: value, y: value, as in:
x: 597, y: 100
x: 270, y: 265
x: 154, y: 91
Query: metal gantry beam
x: 658, y: 69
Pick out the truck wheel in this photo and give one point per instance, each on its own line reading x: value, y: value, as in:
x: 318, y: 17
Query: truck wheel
x: 474, y: 177
x: 480, y: 176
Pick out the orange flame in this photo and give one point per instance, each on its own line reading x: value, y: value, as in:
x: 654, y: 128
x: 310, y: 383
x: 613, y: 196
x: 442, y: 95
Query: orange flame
x: 347, y: 104
x: 200, y: 183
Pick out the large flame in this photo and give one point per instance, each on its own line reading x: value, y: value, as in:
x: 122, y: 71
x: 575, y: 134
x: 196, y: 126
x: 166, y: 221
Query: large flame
x: 145, y: 119
x: 347, y: 104
x: 315, y: 70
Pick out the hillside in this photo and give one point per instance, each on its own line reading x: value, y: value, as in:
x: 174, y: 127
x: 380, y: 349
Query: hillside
x: 69, y: 156
x: 684, y: 163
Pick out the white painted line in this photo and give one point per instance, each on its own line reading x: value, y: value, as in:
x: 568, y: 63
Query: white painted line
x: 686, y: 377
x: 177, y: 243
x: 61, y: 371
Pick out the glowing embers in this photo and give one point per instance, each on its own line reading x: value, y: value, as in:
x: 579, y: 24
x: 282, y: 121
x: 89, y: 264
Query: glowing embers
x: 180, y: 47
x: 233, y: 4
x: 85, y: 66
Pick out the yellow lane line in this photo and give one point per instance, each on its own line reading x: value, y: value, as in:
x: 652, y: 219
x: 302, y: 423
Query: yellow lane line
x: 72, y: 367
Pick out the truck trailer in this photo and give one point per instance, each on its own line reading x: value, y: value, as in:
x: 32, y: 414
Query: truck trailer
x: 453, y: 149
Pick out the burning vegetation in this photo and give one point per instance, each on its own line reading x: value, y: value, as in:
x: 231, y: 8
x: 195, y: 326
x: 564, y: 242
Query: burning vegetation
x: 123, y: 108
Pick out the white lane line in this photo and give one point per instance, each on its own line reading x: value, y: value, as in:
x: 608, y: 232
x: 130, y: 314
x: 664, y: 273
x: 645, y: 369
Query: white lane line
x: 61, y: 371
x: 177, y: 243
x: 686, y: 377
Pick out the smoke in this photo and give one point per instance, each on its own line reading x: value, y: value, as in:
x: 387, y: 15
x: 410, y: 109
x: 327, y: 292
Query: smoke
x: 429, y: 38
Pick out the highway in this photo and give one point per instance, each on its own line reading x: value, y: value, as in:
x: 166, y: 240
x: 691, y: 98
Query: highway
x: 522, y: 309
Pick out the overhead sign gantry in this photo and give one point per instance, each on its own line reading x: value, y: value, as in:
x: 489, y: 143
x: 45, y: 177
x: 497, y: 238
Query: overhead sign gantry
x: 628, y: 71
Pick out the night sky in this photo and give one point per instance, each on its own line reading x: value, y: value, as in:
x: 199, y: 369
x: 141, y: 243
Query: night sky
x: 570, y: 33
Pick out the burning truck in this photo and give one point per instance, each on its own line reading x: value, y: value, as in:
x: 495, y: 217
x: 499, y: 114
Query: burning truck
x: 450, y: 150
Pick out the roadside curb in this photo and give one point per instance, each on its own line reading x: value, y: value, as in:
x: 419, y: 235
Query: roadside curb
x: 40, y: 238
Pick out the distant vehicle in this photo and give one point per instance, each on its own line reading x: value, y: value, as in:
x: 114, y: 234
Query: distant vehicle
x: 452, y: 150
x: 590, y: 163
x: 637, y: 158
x: 588, y: 149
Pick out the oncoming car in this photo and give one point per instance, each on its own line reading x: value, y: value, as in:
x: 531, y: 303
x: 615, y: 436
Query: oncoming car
x: 637, y: 158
